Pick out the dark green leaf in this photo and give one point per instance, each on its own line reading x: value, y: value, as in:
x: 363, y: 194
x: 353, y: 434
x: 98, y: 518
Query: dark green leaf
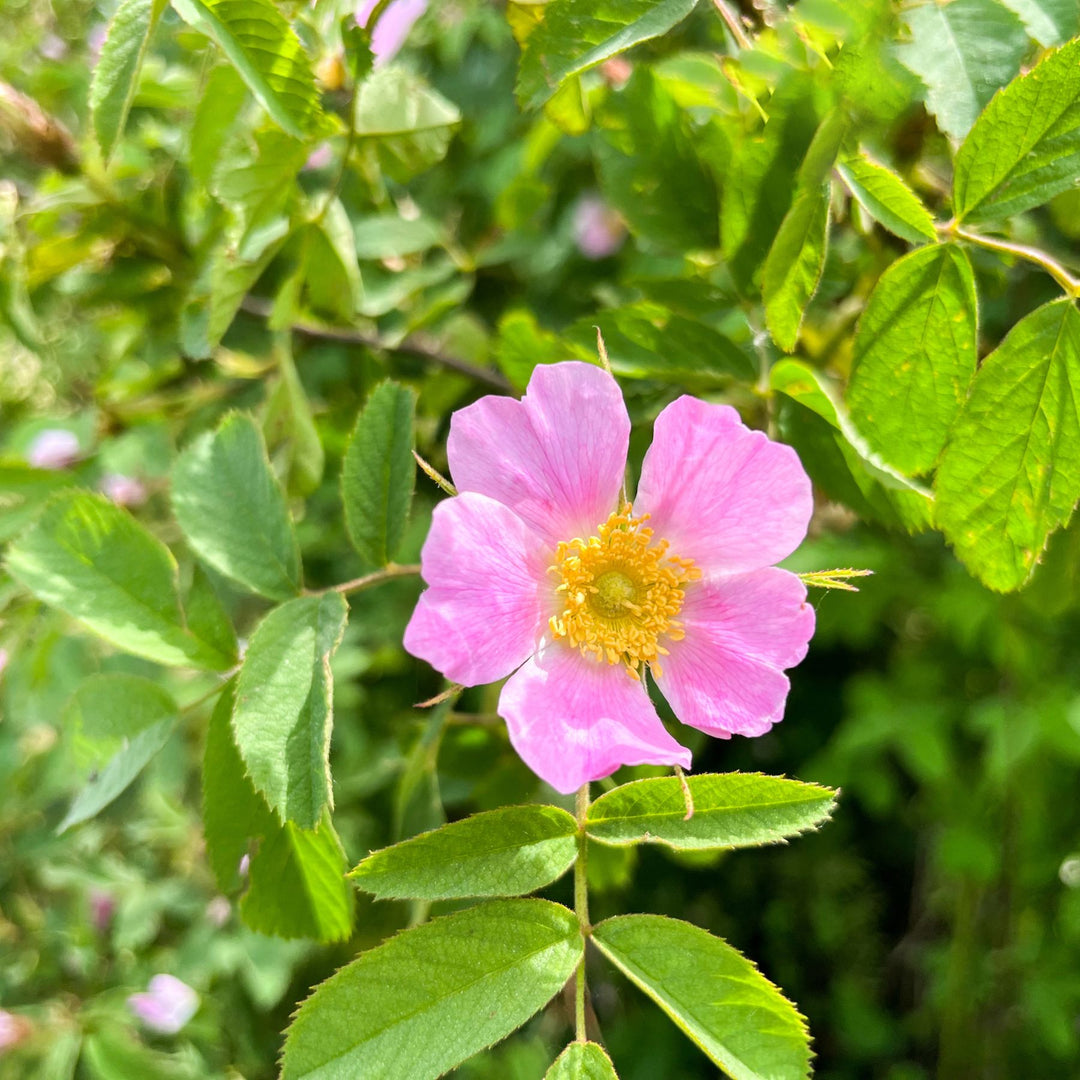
x: 1025, y: 148
x: 915, y: 355
x: 206, y: 618
x: 296, y: 882
x: 24, y: 491
x: 713, y: 993
x: 886, y: 198
x: 963, y: 51
x: 574, y: 35
x: 582, y: 1061
x: 232, y: 510
x: 506, y: 852
x: 730, y: 810
x: 379, y: 472
x: 649, y: 169
x: 116, y: 75
x: 835, y: 454
x: 794, y: 264
x: 284, y: 713
x: 431, y: 997
x: 1010, y: 474
x: 96, y: 563
x: 267, y: 55
x: 1049, y: 22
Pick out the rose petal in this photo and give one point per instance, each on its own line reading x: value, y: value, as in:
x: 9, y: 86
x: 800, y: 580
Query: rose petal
x: 725, y: 496
x: 556, y: 457
x: 393, y: 28
x: 573, y: 720
x: 484, y: 611
x: 726, y: 676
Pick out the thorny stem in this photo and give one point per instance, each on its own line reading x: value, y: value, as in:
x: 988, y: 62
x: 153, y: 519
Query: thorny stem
x: 391, y: 570
x: 581, y: 909
x: 1070, y: 284
x: 734, y: 24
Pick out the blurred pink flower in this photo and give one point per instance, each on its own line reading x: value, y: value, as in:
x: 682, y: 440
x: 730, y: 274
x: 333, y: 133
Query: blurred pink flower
x: 95, y: 40
x: 102, y: 908
x: 53, y: 47
x: 53, y: 448
x: 218, y: 911
x: 319, y: 158
x: 540, y: 572
x: 393, y: 26
x: 167, y: 1006
x: 599, y: 231
x: 13, y: 1029
x: 3, y: 660
x: 123, y: 490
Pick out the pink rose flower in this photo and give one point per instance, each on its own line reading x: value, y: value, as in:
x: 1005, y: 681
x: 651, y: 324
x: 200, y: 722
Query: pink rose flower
x: 167, y: 1005
x: 599, y: 231
x: 53, y: 448
x: 536, y: 571
x: 393, y: 27
x: 13, y: 1029
x: 123, y: 490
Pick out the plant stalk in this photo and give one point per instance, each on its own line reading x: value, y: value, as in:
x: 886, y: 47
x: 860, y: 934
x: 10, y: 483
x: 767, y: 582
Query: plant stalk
x: 581, y: 909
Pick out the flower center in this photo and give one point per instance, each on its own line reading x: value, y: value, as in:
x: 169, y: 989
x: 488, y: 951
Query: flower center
x: 620, y: 593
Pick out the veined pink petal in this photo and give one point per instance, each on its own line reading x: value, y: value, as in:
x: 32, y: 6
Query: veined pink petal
x: 556, y: 457
x: 726, y: 676
x: 573, y: 719
x: 725, y: 496
x: 483, y: 612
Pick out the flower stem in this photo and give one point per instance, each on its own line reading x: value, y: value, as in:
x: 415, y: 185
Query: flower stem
x: 581, y: 908
x: 1070, y: 284
x: 733, y: 24
x: 388, y: 572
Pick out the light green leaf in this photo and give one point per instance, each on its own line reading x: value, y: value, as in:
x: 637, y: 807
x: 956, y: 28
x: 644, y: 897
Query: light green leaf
x: 317, y: 902
x: 206, y: 618
x: 506, y: 852
x: 267, y: 55
x: 215, y: 116
x: 284, y: 711
x: 332, y: 273
x: 407, y: 123
x: 1049, y: 22
x: 574, y: 35
x: 386, y: 235
x: 96, y: 563
x: 232, y: 510
x: 713, y: 993
x: 837, y: 457
x: 963, y: 51
x: 116, y: 75
x: 649, y: 169
x: 914, y: 356
x: 582, y: 1061
x: 1025, y: 148
x: 288, y: 419
x: 794, y: 264
x: 431, y: 997
x: 730, y: 810
x: 378, y: 473
x: 1010, y: 474
x: 124, y: 720
x: 24, y: 491
x: 886, y: 198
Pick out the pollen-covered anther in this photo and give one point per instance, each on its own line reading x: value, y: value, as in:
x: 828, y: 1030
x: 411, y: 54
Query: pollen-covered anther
x: 620, y: 593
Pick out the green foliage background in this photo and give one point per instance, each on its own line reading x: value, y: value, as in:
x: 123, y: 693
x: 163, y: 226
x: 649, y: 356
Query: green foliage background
x: 209, y: 267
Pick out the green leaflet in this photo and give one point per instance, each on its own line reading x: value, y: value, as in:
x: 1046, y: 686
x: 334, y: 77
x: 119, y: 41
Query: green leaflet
x: 284, y: 705
x: 116, y: 75
x: 1010, y: 474
x: 914, y: 356
x: 837, y: 457
x: 582, y: 1061
x: 430, y: 997
x: 296, y: 885
x: 713, y: 993
x: 644, y: 145
x: 963, y: 51
x: 206, y: 618
x: 794, y: 263
x: 232, y: 510
x: 122, y: 721
x: 96, y: 563
x: 730, y: 810
x: 379, y: 472
x: 267, y: 55
x: 574, y: 35
x: 215, y: 115
x: 886, y: 198
x: 505, y: 852
x: 1049, y: 22
x: 1025, y: 148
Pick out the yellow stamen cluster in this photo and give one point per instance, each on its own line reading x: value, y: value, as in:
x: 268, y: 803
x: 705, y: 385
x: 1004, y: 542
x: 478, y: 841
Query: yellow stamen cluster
x: 620, y: 593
